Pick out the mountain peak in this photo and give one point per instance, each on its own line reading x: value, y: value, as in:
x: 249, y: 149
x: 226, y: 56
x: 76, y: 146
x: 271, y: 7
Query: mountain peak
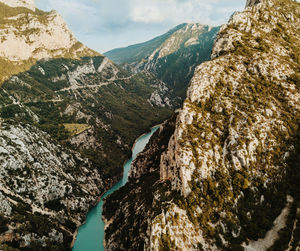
x: 20, y: 3
x: 27, y: 36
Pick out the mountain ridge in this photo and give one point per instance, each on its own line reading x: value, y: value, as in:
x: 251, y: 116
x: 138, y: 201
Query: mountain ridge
x: 157, y: 41
x: 187, y: 44
x: 28, y: 35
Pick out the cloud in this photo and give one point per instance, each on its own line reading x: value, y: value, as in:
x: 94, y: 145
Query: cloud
x: 147, y: 14
x: 105, y: 24
x: 179, y: 11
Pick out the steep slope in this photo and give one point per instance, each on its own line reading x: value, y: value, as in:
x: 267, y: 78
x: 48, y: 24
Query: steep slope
x: 232, y: 164
x: 92, y: 108
x: 138, y: 52
x: 127, y: 230
x: 28, y: 34
x: 45, y: 189
x: 89, y: 104
x: 171, y: 57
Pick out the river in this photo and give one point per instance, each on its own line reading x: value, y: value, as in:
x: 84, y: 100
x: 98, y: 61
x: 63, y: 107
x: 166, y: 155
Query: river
x: 91, y: 235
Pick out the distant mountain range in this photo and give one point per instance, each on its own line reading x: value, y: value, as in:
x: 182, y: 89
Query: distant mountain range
x: 171, y: 57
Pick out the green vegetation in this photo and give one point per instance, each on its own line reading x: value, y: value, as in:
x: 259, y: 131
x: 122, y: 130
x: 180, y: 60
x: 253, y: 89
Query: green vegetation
x: 9, y: 68
x: 4, y: 247
x: 246, y: 187
x: 118, y: 111
x: 177, y: 68
x: 6, y: 12
x: 54, y: 205
x: 165, y: 243
x: 257, y: 91
x: 138, y: 52
x: 129, y: 229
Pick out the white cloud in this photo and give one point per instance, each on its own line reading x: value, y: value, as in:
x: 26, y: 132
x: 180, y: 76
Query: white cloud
x: 147, y: 14
x: 179, y: 11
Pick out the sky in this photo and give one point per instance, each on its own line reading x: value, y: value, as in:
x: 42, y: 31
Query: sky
x: 107, y: 24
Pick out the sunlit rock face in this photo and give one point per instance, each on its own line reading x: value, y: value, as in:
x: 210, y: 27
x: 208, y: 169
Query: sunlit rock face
x: 28, y: 34
x: 37, y: 35
x: 68, y: 118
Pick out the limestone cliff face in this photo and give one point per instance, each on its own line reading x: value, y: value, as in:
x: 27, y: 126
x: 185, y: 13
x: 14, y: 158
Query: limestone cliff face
x: 233, y: 99
x: 231, y: 160
x: 142, y: 195
x: 28, y: 34
x: 45, y: 189
x: 65, y: 117
x: 238, y: 124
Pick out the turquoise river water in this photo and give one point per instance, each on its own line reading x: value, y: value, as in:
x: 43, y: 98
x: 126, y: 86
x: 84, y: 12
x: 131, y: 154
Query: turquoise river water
x: 91, y: 235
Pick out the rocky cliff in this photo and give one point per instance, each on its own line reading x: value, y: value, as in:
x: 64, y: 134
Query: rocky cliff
x: 143, y: 195
x: 45, y: 189
x: 232, y: 163
x: 28, y: 34
x: 164, y: 56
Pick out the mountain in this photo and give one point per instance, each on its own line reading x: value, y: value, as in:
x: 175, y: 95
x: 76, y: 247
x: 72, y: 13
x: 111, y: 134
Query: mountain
x: 68, y: 119
x: 224, y: 175
x: 28, y: 34
x: 171, y: 57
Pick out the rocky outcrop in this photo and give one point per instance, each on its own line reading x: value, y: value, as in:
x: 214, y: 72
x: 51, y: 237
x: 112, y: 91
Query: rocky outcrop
x: 237, y: 127
x: 80, y: 104
x: 250, y: 3
x: 27, y: 35
x: 45, y: 189
x: 91, y: 93
x: 234, y: 72
x: 230, y: 161
x: 66, y: 115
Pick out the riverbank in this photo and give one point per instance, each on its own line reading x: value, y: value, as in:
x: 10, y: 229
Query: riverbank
x: 97, y: 201
x: 91, y: 234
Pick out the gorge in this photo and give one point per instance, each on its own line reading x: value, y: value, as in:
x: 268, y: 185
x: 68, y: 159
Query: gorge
x: 91, y: 234
x: 220, y: 173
